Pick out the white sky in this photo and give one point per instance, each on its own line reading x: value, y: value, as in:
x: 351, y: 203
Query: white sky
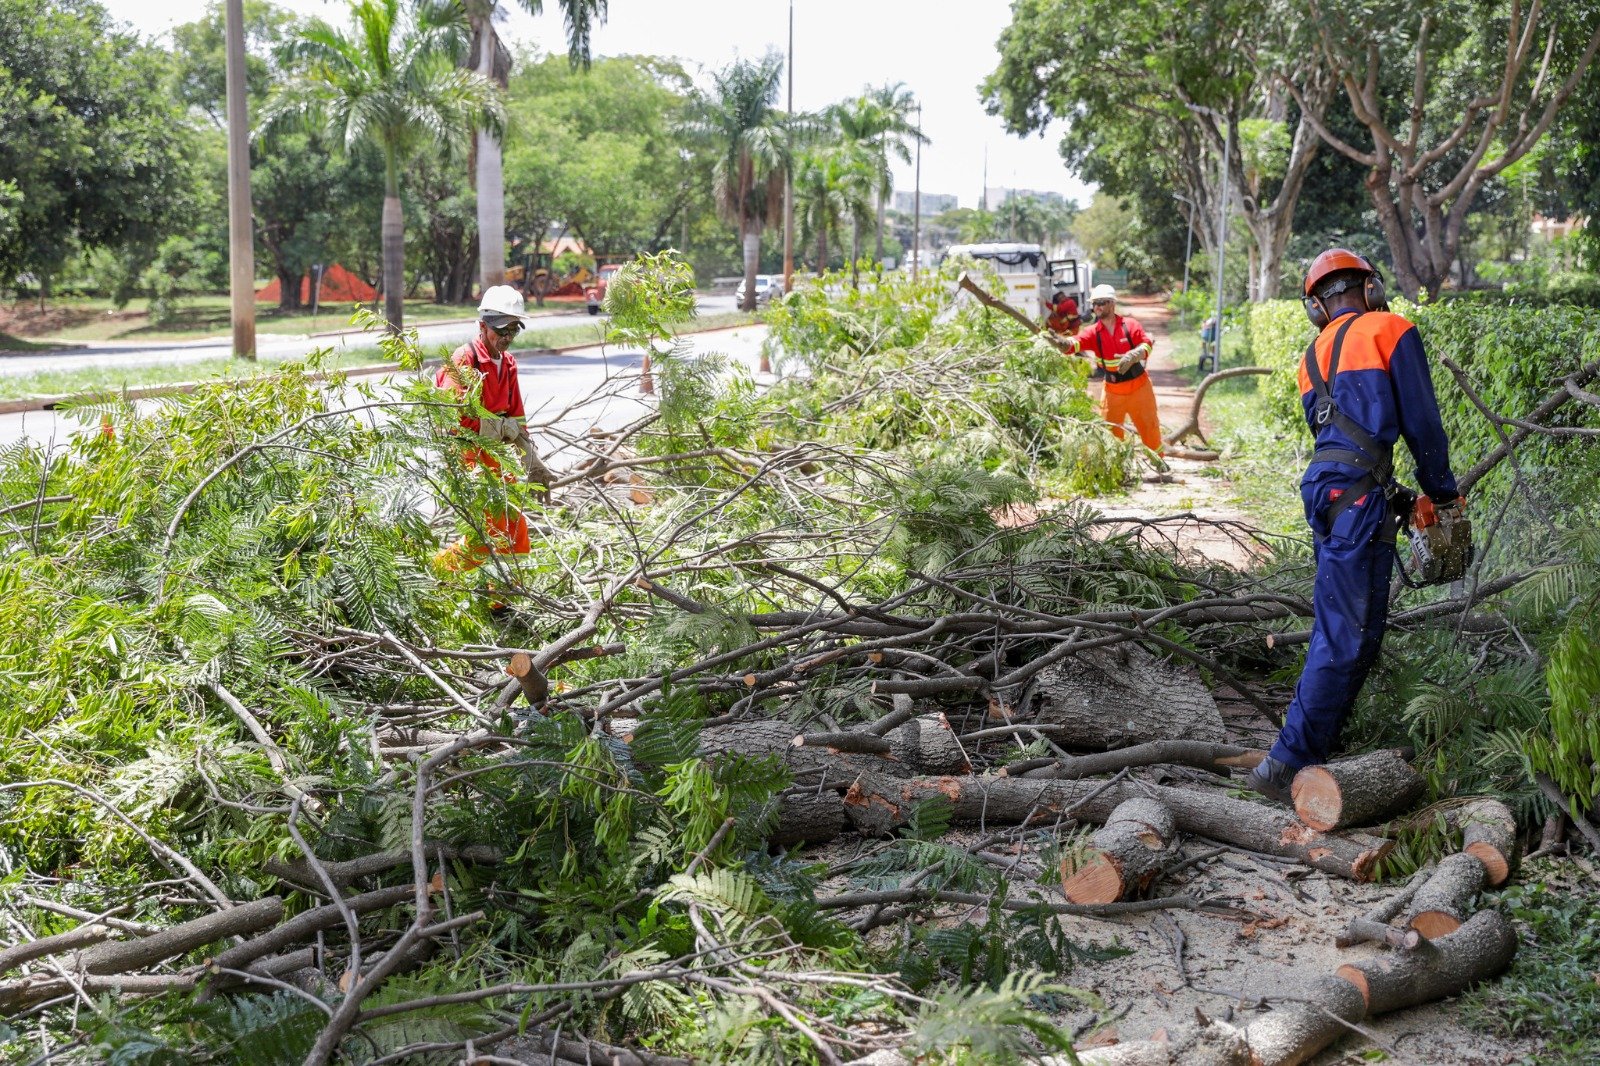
x: 941, y: 52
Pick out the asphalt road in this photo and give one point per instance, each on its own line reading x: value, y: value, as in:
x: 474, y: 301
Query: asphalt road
x: 272, y: 346
x: 549, y: 383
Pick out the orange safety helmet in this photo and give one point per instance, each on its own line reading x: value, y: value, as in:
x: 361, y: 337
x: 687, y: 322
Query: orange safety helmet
x: 1333, y: 261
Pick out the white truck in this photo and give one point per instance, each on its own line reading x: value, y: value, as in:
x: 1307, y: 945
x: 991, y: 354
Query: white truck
x: 1030, y: 278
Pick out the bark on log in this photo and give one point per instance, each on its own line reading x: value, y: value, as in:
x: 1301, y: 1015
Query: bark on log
x: 1489, y: 832
x: 306, y: 925
x: 129, y: 955
x: 1129, y: 852
x: 1367, y: 931
x: 925, y: 744
x: 878, y: 804
x: 1211, y: 1045
x: 1122, y: 695
x: 1365, y: 790
x: 1441, y: 905
x: 808, y: 816
x: 1295, y: 1032
x: 72, y: 939
x: 300, y: 872
x: 1479, y: 950
x: 1218, y: 758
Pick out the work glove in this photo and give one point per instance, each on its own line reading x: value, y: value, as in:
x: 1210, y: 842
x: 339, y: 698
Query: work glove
x: 512, y: 430
x: 532, y: 466
x: 1134, y: 356
x: 492, y: 427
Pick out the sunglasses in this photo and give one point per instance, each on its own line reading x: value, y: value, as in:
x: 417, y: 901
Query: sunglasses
x: 1100, y: 303
x: 507, y: 331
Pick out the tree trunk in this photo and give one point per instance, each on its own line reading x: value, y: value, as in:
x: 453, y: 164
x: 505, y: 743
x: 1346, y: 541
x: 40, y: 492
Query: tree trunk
x: 1359, y: 791
x: 394, y: 255
x: 752, y: 260
x: 878, y: 804
x: 1479, y: 950
x: 1489, y: 832
x: 855, y: 252
x: 1294, y: 1032
x: 877, y: 251
x: 1119, y: 696
x: 490, y: 180
x: 288, y: 290
x: 1440, y: 906
x: 1128, y: 853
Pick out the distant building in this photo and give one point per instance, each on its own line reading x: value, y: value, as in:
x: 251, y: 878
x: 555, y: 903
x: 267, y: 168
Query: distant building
x: 996, y: 195
x: 933, y: 203
x: 1548, y: 228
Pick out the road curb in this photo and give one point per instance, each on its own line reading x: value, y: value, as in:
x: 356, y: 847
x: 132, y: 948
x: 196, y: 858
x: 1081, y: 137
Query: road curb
x: 31, y: 404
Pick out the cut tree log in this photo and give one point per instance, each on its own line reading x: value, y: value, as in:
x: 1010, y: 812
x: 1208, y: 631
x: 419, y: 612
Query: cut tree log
x: 1482, y: 948
x: 1369, y: 928
x: 878, y: 804
x: 1128, y: 853
x: 808, y: 816
x: 1365, y: 790
x: 123, y: 956
x: 71, y: 940
x: 1441, y: 905
x: 1218, y: 758
x: 1119, y: 696
x: 925, y: 744
x: 1295, y: 1031
x: 1211, y: 1044
x: 1367, y: 931
x: 535, y: 686
x: 1489, y: 831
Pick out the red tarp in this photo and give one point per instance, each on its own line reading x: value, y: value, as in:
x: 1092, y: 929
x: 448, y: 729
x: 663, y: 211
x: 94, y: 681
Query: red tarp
x: 339, y: 286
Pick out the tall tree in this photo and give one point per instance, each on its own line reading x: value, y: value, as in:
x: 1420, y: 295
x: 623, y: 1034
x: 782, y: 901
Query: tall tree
x: 94, y: 150
x: 881, y: 122
x: 1203, y: 68
x: 1448, y: 94
x: 492, y: 61
x: 391, y: 80
x: 832, y: 182
x: 738, y: 120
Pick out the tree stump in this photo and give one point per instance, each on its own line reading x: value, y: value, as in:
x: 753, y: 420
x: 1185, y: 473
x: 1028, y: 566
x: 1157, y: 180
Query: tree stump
x: 1361, y: 791
x: 1440, y: 906
x: 1479, y: 950
x: 1489, y: 831
x: 1128, y: 852
x: 1119, y: 696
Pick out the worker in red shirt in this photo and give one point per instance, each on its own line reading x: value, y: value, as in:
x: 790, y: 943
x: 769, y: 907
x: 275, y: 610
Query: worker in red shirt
x: 1119, y: 346
x: 500, y: 319
x: 1064, y: 319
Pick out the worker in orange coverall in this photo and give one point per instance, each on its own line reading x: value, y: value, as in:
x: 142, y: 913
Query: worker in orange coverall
x: 1119, y: 346
x: 500, y: 319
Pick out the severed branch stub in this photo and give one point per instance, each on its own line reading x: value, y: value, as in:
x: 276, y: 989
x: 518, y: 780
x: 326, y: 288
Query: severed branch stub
x: 1489, y: 832
x: 1361, y: 791
x: 1441, y: 905
x: 1482, y: 948
x: 535, y: 686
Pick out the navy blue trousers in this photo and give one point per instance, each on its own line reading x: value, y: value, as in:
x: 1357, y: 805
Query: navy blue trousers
x: 1351, y: 601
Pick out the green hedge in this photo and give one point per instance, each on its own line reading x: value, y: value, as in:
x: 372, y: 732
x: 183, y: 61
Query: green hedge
x: 1512, y: 357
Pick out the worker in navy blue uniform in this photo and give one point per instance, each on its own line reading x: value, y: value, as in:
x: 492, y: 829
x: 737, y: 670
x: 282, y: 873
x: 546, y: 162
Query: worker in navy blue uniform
x: 1364, y: 384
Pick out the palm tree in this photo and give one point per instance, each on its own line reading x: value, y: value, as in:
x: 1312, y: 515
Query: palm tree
x: 739, y: 121
x: 491, y: 60
x: 880, y: 121
x: 392, y: 80
x: 832, y: 182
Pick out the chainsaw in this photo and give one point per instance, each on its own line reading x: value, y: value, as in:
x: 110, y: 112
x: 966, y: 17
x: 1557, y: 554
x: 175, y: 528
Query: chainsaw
x: 1440, y: 540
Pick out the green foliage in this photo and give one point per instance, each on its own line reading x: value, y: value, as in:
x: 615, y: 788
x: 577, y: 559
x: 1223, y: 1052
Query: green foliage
x: 1550, y: 992
x: 984, y: 1025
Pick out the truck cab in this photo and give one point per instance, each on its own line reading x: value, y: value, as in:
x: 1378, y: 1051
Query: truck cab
x: 1031, y: 279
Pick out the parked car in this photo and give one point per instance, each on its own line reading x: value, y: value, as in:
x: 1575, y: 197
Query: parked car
x: 768, y: 288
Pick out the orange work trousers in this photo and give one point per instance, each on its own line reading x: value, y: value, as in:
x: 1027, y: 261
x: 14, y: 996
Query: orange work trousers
x: 507, y: 531
x: 1138, y: 404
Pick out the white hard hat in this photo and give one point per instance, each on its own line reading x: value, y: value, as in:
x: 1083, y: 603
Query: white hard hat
x: 1103, y: 292
x: 501, y: 301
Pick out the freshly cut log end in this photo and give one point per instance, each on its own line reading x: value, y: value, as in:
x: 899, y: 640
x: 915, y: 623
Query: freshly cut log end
x: 1127, y: 853
x: 1441, y: 905
x: 1294, y: 1032
x: 1361, y: 791
x: 1489, y: 831
x: 1482, y: 948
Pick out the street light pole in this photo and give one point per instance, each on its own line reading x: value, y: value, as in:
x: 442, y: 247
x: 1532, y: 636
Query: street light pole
x: 241, y: 240
x: 916, y: 204
x: 788, y: 175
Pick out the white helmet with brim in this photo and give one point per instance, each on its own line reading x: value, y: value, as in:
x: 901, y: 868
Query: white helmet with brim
x: 501, y: 304
x: 1103, y: 292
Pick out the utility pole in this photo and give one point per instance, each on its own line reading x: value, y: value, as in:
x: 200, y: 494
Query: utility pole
x: 1222, y: 231
x: 916, y: 204
x: 788, y: 177
x: 241, y: 239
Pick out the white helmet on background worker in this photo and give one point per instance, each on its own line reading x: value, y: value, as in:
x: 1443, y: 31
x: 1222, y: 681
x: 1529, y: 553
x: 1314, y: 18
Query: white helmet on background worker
x: 501, y: 305
x: 1103, y: 292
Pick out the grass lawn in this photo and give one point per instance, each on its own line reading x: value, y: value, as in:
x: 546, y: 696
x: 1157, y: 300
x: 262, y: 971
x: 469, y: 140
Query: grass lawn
x: 198, y: 317
x: 102, y: 379
x: 1263, y: 463
x: 8, y: 343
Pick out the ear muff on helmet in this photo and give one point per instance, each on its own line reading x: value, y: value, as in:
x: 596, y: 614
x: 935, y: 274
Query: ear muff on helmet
x: 1316, y: 311
x: 1373, y: 291
x: 1332, y: 261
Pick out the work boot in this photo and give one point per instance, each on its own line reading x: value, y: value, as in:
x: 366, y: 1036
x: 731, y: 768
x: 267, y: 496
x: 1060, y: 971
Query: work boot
x: 1272, y: 779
